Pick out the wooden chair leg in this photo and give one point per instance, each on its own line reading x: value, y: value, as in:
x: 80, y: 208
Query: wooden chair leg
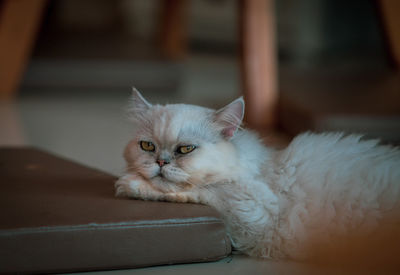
x: 259, y: 63
x: 173, y: 29
x: 391, y: 19
x: 19, y: 21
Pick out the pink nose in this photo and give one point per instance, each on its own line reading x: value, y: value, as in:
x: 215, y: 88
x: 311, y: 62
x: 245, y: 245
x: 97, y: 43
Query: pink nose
x: 162, y: 162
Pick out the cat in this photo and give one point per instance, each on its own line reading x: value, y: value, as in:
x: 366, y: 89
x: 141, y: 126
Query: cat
x: 275, y: 203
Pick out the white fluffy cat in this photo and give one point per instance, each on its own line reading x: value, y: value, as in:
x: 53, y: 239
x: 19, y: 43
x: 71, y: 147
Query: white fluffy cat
x: 274, y: 202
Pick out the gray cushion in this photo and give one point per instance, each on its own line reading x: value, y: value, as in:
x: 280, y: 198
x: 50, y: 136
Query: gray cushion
x: 59, y: 216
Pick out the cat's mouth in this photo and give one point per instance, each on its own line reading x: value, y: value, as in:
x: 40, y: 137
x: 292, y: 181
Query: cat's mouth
x: 163, y: 174
x: 160, y: 175
x: 164, y: 178
x: 170, y: 176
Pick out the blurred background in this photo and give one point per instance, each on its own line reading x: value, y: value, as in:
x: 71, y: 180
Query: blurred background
x: 67, y: 67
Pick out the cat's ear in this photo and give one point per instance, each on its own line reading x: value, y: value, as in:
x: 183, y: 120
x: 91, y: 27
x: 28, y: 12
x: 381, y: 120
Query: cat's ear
x: 230, y: 117
x: 138, y: 103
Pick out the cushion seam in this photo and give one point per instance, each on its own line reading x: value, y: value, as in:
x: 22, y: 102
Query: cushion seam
x: 95, y: 226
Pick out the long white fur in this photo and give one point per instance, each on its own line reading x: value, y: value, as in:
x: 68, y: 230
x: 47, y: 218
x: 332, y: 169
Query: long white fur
x: 274, y: 202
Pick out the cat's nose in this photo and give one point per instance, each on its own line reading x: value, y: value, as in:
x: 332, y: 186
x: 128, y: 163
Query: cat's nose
x: 162, y: 162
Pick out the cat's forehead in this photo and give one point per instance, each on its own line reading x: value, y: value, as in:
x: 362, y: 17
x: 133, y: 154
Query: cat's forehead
x: 179, y: 123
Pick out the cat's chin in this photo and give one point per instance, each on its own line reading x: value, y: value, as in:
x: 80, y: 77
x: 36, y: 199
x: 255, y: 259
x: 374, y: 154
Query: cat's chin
x: 166, y: 185
x: 161, y: 179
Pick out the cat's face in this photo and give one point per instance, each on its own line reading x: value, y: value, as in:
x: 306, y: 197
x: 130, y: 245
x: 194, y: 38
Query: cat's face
x: 180, y: 146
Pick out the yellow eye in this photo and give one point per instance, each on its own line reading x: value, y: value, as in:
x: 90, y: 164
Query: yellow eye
x: 147, y: 146
x: 186, y: 149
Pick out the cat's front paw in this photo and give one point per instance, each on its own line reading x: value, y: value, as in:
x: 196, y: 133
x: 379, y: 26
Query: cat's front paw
x: 134, y: 187
x: 125, y: 187
x: 180, y: 197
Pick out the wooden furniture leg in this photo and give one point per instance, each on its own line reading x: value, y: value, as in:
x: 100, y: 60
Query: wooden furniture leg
x: 391, y: 20
x: 19, y: 21
x: 173, y: 29
x: 259, y: 63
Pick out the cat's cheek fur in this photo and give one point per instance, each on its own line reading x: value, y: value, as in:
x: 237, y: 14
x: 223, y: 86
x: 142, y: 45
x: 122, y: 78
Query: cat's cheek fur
x: 212, y: 163
x: 131, y: 153
x: 175, y: 174
x: 148, y: 171
x: 140, y: 162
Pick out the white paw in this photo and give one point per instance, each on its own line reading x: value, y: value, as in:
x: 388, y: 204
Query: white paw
x: 125, y: 186
x: 179, y: 197
x: 133, y: 187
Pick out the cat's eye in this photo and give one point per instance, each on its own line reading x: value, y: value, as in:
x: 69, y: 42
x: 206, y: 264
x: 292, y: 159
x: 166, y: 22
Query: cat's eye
x: 147, y: 146
x: 185, y: 149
